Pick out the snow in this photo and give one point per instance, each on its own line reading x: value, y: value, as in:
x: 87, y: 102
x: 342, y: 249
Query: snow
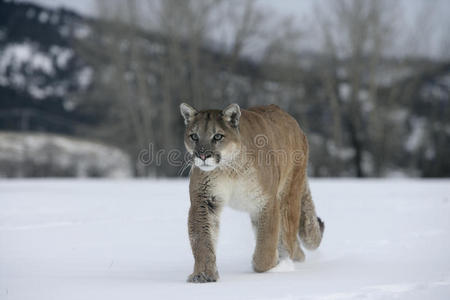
x: 22, y: 64
x: 62, y: 55
x: 127, y: 239
x: 418, y: 131
x: 85, y: 77
x: 82, y: 31
x: 43, y: 17
x: 285, y: 265
x: 339, y: 152
x: 23, y: 151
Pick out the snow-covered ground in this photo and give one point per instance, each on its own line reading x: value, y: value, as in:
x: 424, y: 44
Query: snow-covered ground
x: 104, y: 239
x: 45, y: 154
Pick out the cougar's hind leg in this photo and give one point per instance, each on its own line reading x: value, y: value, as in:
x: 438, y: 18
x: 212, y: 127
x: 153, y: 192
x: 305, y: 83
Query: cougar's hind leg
x: 290, y: 216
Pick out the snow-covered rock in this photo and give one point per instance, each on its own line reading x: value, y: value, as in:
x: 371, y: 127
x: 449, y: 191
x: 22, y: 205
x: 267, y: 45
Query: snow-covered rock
x: 41, y: 155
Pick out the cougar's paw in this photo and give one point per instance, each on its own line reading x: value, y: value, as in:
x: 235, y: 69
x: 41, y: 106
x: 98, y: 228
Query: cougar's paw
x: 263, y: 262
x: 203, y: 277
x: 298, y: 255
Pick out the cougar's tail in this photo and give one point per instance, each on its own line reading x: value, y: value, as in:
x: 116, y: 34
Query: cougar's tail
x: 311, y: 226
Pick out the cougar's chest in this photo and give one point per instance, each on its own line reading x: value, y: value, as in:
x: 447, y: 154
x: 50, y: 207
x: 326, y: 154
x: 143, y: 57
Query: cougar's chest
x: 243, y: 193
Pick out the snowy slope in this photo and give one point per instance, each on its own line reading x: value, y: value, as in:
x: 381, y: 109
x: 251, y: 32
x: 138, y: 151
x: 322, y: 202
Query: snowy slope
x: 85, y: 239
x: 44, y: 154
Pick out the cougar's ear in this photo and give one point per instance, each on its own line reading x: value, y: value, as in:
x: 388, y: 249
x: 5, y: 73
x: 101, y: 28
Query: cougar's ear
x: 187, y: 112
x: 231, y: 114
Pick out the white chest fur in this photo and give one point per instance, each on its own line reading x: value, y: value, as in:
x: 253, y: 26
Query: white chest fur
x: 243, y: 193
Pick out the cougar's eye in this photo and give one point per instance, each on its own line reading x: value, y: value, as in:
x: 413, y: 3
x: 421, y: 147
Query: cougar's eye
x: 194, y: 137
x: 218, y: 137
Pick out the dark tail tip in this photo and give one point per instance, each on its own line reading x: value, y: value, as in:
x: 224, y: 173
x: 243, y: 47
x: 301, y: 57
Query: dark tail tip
x: 321, y: 224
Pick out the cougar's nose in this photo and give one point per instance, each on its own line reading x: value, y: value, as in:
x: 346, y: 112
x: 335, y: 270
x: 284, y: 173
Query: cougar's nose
x: 204, y: 156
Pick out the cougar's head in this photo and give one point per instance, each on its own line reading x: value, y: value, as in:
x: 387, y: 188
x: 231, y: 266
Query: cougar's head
x: 211, y: 136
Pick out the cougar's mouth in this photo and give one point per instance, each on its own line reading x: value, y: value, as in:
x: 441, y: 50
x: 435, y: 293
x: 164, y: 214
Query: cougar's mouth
x: 207, y: 164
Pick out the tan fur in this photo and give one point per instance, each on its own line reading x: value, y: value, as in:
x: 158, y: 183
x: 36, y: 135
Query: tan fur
x: 259, y: 167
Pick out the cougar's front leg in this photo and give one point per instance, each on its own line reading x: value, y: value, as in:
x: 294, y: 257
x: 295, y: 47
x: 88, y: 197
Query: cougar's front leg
x: 267, y: 227
x: 203, y: 227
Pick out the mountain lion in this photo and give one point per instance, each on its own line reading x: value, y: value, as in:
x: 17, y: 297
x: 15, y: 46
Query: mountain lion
x: 252, y: 160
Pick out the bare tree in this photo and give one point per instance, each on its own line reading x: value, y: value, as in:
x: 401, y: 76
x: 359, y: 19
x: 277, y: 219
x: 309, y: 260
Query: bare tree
x: 147, y: 68
x: 356, y: 35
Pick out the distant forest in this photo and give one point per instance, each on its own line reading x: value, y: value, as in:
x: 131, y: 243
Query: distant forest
x: 113, y: 79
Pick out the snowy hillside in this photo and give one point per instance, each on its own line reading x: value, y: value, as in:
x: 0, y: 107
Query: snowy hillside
x: 84, y: 239
x: 37, y: 55
x: 38, y: 155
